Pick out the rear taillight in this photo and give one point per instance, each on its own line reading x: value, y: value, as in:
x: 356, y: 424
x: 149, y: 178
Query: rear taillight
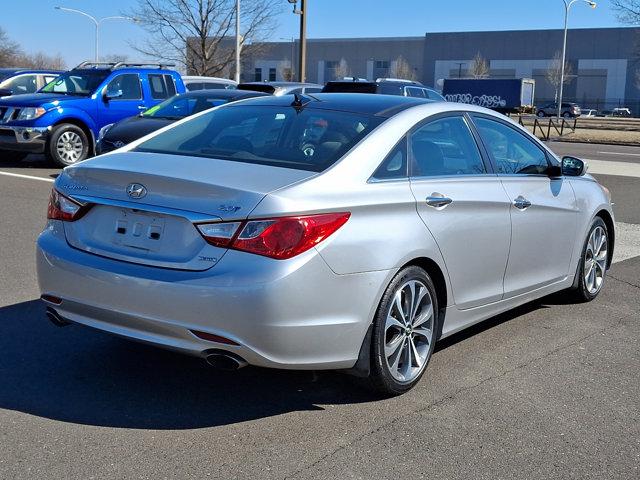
x: 278, y: 238
x: 63, y: 208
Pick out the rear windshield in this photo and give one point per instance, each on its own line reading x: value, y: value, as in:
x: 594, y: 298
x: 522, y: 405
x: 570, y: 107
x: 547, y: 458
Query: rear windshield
x: 258, y: 87
x: 278, y: 136
x: 350, y: 87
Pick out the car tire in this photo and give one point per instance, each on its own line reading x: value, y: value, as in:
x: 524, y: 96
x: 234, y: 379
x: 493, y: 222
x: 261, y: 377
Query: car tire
x: 404, y: 332
x: 567, y: 115
x: 68, y: 144
x: 593, y: 263
x: 9, y: 156
x: 541, y: 113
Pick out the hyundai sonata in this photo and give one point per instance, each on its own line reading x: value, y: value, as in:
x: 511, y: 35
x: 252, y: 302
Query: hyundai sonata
x: 334, y: 231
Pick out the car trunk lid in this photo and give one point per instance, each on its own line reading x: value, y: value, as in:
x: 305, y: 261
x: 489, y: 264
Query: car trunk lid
x: 144, y: 205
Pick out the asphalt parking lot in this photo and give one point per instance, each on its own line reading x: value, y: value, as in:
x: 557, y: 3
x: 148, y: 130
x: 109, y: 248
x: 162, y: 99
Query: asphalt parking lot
x: 551, y: 390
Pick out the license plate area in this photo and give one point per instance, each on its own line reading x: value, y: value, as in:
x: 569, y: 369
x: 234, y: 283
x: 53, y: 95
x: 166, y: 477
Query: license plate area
x: 139, y: 230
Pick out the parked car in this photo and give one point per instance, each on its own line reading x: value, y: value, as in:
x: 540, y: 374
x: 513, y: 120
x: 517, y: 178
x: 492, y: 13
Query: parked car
x: 287, y: 234
x: 569, y: 110
x: 386, y: 86
x: 18, y: 81
x: 207, y: 83
x: 119, y: 134
x: 589, y: 113
x: 621, y: 112
x: 281, y: 88
x: 63, y: 119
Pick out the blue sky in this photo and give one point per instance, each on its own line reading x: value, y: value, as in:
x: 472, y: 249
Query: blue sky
x: 37, y: 26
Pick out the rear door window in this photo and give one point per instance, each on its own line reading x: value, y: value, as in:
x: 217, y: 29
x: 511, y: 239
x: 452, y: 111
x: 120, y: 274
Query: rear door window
x: 162, y: 86
x: 415, y: 92
x: 445, y: 147
x: 193, y: 86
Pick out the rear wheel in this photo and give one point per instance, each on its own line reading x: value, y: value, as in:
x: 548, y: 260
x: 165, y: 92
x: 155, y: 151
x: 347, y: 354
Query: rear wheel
x: 403, y: 332
x: 593, y: 263
x: 67, y: 145
x: 566, y: 115
x: 541, y: 113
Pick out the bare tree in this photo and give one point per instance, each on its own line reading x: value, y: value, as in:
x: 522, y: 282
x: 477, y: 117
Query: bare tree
x: 286, y: 71
x: 628, y: 10
x: 479, y: 67
x: 554, y: 72
x: 342, y: 70
x: 42, y: 60
x: 10, y: 51
x: 402, y: 69
x: 115, y: 57
x: 197, y: 34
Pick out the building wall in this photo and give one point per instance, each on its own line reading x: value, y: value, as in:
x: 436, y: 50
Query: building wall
x: 604, y: 60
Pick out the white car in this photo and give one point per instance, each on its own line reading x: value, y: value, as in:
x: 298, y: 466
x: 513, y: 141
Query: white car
x: 207, y: 83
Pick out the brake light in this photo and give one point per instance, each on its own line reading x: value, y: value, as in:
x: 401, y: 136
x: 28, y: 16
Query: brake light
x: 278, y: 238
x: 63, y: 208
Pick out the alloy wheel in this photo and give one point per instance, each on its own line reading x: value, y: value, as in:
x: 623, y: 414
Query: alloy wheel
x: 69, y: 147
x: 595, y: 260
x: 409, y: 331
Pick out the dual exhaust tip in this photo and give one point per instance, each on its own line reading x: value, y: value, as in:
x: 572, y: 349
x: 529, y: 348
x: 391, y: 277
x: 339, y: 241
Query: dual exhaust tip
x: 219, y: 359
x: 223, y: 360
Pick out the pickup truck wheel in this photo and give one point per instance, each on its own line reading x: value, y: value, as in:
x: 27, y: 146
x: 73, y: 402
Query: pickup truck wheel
x: 68, y: 144
x: 541, y: 113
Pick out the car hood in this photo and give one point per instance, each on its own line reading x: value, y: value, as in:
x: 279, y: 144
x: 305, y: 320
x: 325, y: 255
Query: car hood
x: 39, y: 100
x: 132, y: 128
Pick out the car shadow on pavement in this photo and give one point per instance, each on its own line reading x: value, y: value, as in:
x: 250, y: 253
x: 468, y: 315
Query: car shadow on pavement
x: 80, y: 375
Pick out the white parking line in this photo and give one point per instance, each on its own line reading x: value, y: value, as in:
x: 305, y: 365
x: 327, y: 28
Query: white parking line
x: 606, y: 167
x: 19, y: 175
x: 620, y: 153
x: 627, y: 241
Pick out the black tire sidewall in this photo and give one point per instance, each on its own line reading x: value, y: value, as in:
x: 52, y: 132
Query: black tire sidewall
x: 52, y: 153
x: 381, y: 378
x: 582, y: 291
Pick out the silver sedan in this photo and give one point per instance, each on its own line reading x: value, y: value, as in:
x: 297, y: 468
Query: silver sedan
x: 336, y: 231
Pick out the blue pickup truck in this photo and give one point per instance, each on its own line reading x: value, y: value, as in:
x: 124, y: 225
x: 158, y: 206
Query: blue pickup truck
x: 64, y: 118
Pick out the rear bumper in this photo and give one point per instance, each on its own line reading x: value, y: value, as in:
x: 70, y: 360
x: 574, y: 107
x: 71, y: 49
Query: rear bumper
x: 294, y: 314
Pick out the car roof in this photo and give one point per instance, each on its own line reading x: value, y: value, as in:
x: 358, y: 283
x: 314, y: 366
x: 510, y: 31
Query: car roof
x: 15, y: 70
x: 377, y: 105
x: 283, y: 84
x: 223, y: 93
x: 208, y: 79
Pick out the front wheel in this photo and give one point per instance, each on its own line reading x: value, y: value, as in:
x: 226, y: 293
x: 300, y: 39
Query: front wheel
x: 566, y: 115
x: 404, y: 332
x: 67, y: 145
x: 593, y: 262
x: 541, y: 113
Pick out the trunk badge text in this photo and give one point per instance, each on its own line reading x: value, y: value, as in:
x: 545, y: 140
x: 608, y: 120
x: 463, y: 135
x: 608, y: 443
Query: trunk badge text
x: 229, y: 208
x: 136, y: 190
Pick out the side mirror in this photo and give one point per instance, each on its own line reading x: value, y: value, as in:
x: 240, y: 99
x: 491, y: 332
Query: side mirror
x: 573, y: 167
x: 111, y: 94
x: 5, y: 92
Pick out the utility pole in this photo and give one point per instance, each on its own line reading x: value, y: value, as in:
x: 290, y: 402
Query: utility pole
x: 238, y: 44
x: 302, y: 63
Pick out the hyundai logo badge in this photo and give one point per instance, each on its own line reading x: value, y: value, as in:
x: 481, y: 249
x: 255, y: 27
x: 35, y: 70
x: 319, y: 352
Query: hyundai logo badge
x: 136, y: 190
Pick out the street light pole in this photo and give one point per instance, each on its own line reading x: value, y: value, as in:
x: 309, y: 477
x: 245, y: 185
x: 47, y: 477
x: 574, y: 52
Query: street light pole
x: 97, y: 23
x: 238, y: 41
x: 567, y: 7
x: 302, y: 64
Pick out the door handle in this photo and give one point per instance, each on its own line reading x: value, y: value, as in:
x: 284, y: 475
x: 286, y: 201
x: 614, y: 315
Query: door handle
x: 521, y: 203
x: 437, y: 200
x: 141, y: 107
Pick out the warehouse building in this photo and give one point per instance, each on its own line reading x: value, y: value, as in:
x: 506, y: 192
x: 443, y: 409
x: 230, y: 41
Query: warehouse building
x: 605, y: 62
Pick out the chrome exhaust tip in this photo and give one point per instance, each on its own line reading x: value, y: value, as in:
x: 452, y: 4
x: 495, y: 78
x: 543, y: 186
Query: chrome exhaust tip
x: 222, y: 360
x: 56, y: 319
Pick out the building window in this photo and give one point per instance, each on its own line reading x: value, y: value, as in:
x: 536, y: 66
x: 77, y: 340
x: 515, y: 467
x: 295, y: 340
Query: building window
x: 272, y: 74
x: 258, y: 75
x: 382, y: 63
